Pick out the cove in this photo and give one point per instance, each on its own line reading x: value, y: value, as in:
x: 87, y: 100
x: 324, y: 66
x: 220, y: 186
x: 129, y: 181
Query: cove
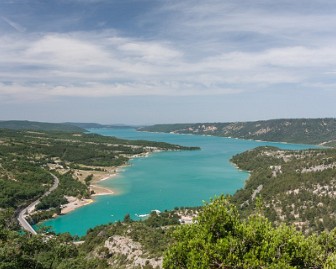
x: 164, y: 180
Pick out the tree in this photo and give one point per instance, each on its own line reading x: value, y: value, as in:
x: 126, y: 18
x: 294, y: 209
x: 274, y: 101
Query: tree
x: 127, y: 218
x: 219, y: 239
x: 88, y: 179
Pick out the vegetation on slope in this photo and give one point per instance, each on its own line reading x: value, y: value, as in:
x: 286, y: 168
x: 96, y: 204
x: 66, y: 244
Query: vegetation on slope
x: 298, y: 187
x: 304, y: 131
x: 105, y: 246
x: 19, y: 251
x: 220, y: 239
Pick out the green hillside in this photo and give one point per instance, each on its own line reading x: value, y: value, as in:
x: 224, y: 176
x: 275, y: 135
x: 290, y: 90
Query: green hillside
x: 306, y: 131
x: 297, y: 187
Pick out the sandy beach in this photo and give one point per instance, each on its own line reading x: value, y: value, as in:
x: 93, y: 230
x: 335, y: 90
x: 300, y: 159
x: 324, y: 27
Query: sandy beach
x: 97, y: 176
x: 99, y: 190
x: 74, y: 203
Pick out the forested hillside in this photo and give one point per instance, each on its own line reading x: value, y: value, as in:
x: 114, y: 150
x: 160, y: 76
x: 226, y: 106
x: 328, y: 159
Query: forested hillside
x: 297, y: 187
x: 220, y: 238
x: 303, y: 131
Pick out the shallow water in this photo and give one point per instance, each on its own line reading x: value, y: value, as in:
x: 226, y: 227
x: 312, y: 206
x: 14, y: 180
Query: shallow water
x: 164, y: 180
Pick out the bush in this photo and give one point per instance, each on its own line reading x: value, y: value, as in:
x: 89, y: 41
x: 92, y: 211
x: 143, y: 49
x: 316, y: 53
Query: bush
x: 219, y: 239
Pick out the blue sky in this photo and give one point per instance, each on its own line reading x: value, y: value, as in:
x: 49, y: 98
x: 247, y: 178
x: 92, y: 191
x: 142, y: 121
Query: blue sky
x: 167, y: 61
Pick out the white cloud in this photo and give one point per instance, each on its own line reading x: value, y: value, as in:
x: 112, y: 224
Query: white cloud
x: 90, y: 64
x: 201, y: 47
x: 63, y: 50
x: 249, y: 25
x: 150, y: 51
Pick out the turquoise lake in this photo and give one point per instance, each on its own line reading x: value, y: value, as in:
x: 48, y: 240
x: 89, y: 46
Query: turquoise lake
x: 164, y: 180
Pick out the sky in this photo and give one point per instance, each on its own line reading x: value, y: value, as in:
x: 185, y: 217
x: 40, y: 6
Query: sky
x: 167, y: 61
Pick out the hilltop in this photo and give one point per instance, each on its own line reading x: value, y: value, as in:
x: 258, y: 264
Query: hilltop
x: 98, y: 125
x: 39, y: 126
x: 303, y: 131
x: 58, y: 127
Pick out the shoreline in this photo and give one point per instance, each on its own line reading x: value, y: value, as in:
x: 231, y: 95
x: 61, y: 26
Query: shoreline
x: 98, y: 176
x: 75, y: 203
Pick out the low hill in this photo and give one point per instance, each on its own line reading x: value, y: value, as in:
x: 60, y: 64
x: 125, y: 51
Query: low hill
x: 85, y: 125
x: 307, y: 131
x: 39, y: 126
x: 90, y: 125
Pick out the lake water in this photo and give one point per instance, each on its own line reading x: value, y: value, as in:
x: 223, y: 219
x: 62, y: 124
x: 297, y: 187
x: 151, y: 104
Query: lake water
x: 164, y: 180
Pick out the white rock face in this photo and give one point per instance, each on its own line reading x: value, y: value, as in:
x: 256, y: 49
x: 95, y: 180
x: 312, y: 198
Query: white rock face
x: 132, y: 250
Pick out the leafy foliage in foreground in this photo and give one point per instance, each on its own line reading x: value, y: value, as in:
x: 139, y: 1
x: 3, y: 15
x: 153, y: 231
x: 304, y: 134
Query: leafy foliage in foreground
x: 19, y: 251
x: 219, y: 239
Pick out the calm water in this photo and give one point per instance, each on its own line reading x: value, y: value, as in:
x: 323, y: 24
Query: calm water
x: 164, y: 180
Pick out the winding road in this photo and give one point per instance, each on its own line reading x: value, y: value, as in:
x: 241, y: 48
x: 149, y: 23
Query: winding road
x: 27, y: 210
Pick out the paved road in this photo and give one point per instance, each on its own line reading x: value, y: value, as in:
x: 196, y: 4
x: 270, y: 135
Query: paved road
x: 25, y: 212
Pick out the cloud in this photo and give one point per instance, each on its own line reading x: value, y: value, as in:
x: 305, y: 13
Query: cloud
x: 91, y: 64
x: 150, y: 51
x: 249, y: 25
x: 64, y: 51
x: 196, y: 48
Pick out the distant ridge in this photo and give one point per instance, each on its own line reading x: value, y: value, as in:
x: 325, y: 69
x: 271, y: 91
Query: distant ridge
x: 85, y: 125
x: 98, y: 125
x: 39, y: 126
x: 307, y: 131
